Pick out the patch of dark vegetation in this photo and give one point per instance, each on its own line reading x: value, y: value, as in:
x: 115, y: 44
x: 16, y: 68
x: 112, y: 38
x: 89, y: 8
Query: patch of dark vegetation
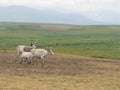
x: 99, y: 56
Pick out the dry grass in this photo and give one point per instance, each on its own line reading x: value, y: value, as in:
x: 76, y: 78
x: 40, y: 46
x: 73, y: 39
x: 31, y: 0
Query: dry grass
x: 60, y: 73
x: 55, y: 82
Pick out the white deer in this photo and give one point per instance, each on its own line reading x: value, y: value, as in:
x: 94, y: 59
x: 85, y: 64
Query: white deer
x: 36, y: 53
x: 23, y: 48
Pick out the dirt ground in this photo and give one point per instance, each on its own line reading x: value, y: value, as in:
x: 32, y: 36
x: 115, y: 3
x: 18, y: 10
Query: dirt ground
x: 107, y: 71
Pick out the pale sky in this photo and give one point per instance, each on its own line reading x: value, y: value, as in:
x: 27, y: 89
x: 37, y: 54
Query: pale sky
x: 93, y: 9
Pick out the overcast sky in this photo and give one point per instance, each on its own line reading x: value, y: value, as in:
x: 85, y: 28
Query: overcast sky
x: 100, y: 10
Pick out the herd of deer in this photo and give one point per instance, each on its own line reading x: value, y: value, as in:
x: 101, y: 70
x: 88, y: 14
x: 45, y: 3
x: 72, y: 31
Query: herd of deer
x: 31, y: 53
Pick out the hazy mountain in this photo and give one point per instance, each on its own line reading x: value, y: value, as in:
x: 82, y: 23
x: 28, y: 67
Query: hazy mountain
x: 25, y: 14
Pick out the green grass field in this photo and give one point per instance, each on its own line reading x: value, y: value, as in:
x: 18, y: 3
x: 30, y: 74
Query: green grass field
x: 93, y: 41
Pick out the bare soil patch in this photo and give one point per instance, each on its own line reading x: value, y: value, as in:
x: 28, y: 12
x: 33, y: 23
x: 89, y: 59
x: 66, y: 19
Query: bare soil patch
x: 57, y: 65
x: 59, y: 73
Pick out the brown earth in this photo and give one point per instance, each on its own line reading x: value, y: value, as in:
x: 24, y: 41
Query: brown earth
x: 58, y: 65
x: 85, y: 70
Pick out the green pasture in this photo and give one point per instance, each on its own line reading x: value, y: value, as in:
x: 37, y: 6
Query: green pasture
x: 94, y: 41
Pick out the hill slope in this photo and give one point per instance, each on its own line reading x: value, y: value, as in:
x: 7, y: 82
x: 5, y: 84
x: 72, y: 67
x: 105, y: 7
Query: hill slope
x: 25, y: 14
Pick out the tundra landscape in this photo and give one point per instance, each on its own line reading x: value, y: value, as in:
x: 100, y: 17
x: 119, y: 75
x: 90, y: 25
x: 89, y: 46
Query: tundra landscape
x: 85, y: 57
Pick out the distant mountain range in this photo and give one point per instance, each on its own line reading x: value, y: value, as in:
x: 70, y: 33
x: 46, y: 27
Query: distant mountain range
x: 25, y: 14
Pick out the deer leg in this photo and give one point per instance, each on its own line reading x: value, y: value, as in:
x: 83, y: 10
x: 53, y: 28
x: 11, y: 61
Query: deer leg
x: 21, y: 60
x: 16, y: 59
x: 42, y: 61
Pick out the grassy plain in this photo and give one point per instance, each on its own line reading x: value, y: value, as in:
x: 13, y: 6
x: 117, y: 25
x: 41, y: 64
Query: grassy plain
x: 68, y: 69
x: 93, y: 41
